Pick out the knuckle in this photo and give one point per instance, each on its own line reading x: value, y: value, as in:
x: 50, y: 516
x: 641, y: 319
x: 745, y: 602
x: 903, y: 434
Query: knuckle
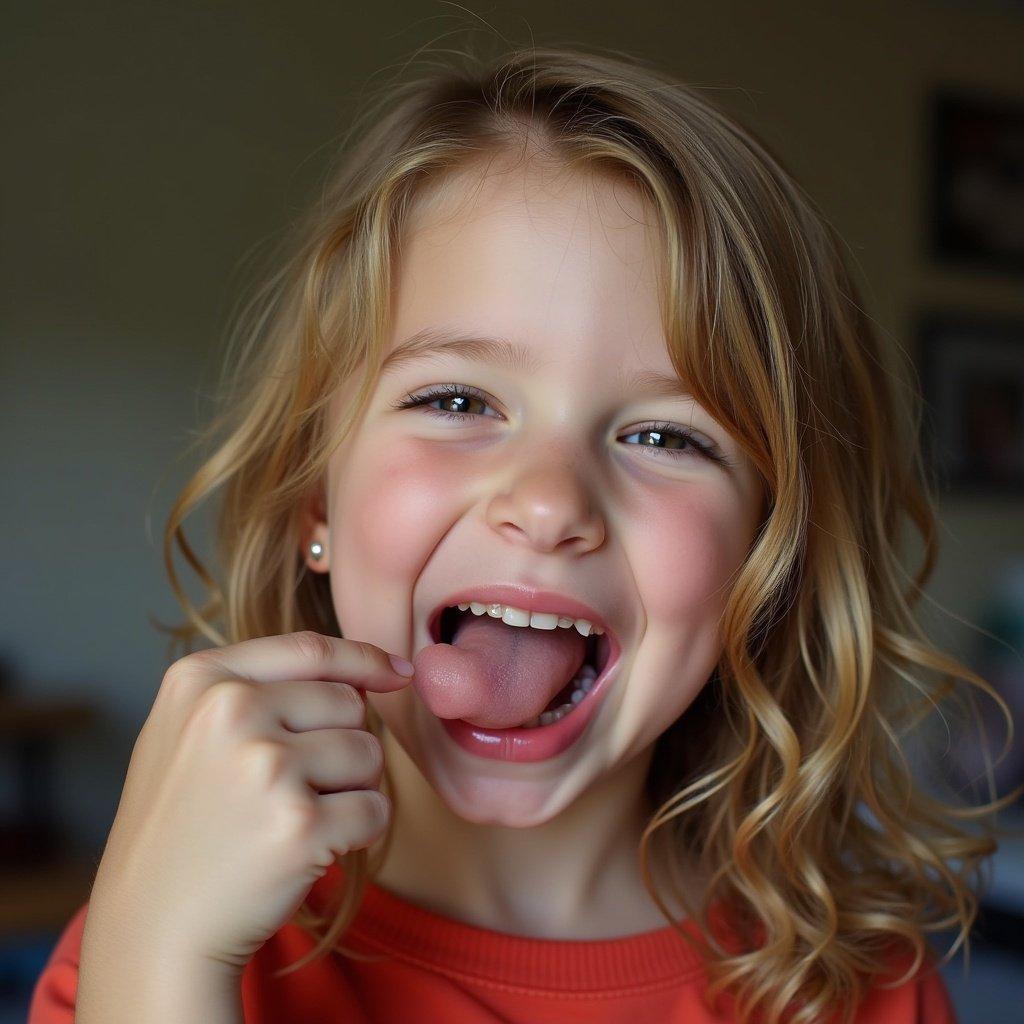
x: 186, y: 683
x: 364, y: 819
x: 189, y: 666
x: 296, y: 819
x: 227, y: 701
x: 371, y: 811
x: 350, y: 697
x: 183, y: 675
x: 178, y: 672
x: 313, y: 646
x: 373, y: 750
x: 372, y: 657
x: 265, y: 761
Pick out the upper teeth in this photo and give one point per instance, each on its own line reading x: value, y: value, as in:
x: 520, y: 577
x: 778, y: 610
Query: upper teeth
x: 539, y: 620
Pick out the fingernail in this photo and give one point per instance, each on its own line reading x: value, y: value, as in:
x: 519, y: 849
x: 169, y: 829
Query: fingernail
x: 400, y: 665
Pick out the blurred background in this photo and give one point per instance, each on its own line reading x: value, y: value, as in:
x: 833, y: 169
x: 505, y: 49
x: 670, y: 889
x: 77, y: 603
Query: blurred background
x: 151, y: 147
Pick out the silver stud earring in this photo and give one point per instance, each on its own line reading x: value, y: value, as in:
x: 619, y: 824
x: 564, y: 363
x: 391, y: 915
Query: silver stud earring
x: 316, y: 549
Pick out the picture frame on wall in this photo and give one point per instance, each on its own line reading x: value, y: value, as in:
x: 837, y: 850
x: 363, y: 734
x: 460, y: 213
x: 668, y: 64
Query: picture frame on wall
x: 972, y: 383
x: 976, y: 216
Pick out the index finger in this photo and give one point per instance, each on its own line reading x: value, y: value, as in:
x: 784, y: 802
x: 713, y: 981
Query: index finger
x: 303, y: 655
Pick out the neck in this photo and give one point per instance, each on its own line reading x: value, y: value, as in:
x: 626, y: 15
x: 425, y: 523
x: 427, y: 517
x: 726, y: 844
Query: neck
x: 576, y: 876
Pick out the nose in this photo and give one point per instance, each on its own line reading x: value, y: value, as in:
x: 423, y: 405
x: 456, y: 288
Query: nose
x: 547, y: 508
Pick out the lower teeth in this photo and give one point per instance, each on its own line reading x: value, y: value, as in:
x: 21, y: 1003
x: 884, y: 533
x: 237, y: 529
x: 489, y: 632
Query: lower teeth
x: 582, y: 685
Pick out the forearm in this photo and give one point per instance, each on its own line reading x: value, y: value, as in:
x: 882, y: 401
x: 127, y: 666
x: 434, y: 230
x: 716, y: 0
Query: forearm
x: 124, y: 982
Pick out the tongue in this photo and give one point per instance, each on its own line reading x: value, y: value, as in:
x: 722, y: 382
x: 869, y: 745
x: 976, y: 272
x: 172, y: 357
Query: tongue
x: 495, y: 675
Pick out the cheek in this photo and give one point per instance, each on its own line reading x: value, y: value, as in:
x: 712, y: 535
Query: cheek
x: 390, y: 507
x: 684, y: 551
x: 684, y: 548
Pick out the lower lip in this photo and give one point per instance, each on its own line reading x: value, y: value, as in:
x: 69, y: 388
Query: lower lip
x: 540, y: 743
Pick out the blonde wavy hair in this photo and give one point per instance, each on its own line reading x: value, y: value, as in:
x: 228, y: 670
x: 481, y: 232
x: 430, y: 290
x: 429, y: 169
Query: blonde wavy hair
x: 785, y: 778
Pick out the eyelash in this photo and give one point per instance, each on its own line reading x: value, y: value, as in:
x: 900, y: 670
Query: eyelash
x: 462, y: 391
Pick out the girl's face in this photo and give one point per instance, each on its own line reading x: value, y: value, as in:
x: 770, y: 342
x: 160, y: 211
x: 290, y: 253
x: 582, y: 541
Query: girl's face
x: 551, y: 479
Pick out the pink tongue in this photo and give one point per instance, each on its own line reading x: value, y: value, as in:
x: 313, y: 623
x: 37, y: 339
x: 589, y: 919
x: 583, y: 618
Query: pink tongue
x: 495, y: 675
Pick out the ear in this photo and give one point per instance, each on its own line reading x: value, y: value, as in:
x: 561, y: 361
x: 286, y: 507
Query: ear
x: 313, y: 529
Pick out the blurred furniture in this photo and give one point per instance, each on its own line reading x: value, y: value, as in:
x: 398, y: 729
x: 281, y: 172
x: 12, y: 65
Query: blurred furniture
x: 43, y: 885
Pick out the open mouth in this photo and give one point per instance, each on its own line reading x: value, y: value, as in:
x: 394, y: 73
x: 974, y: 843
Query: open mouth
x: 598, y: 650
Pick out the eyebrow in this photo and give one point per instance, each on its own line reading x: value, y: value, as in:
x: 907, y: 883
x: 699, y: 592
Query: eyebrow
x: 432, y: 341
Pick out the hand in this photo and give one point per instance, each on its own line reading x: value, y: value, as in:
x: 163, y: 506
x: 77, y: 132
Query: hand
x: 252, y: 771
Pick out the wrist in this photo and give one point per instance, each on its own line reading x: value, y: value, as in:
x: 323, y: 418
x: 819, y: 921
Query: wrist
x: 134, y: 927
x: 122, y: 981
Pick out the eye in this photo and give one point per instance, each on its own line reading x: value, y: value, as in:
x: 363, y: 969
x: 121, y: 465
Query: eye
x: 462, y: 397
x: 663, y: 434
x: 458, y: 395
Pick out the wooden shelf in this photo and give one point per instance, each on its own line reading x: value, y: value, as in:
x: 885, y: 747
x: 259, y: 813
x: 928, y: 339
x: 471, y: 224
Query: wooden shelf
x: 43, y: 898
x: 24, y: 717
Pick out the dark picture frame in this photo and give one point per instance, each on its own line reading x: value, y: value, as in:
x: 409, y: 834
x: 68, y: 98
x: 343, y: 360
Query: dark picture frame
x: 972, y: 383
x: 977, y: 179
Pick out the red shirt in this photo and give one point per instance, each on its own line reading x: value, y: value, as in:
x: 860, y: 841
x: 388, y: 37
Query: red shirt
x: 439, y: 969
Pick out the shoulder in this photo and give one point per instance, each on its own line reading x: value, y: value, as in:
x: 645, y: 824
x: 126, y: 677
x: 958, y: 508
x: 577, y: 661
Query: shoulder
x: 53, y: 998
x: 932, y: 999
x: 896, y: 998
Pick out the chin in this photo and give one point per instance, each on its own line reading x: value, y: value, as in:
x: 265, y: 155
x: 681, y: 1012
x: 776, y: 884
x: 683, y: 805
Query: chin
x: 484, y: 792
x: 500, y: 805
x: 512, y: 801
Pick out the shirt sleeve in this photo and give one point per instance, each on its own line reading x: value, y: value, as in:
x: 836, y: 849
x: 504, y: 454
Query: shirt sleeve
x: 53, y: 998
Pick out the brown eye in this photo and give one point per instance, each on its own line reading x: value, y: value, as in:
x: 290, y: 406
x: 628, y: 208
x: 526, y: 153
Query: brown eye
x: 460, y: 397
x: 664, y: 434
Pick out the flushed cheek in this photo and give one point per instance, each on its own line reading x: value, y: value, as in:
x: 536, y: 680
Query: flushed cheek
x: 683, y: 554
x: 392, y: 507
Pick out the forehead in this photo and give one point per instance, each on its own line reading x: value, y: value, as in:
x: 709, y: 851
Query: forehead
x: 563, y: 263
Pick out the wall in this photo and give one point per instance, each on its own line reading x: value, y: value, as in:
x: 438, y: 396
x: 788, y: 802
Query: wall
x: 148, y: 148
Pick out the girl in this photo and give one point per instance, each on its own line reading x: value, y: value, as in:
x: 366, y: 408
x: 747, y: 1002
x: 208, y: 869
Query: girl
x: 564, y: 396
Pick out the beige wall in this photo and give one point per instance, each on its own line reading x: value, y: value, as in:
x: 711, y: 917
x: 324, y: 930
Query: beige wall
x: 148, y: 147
